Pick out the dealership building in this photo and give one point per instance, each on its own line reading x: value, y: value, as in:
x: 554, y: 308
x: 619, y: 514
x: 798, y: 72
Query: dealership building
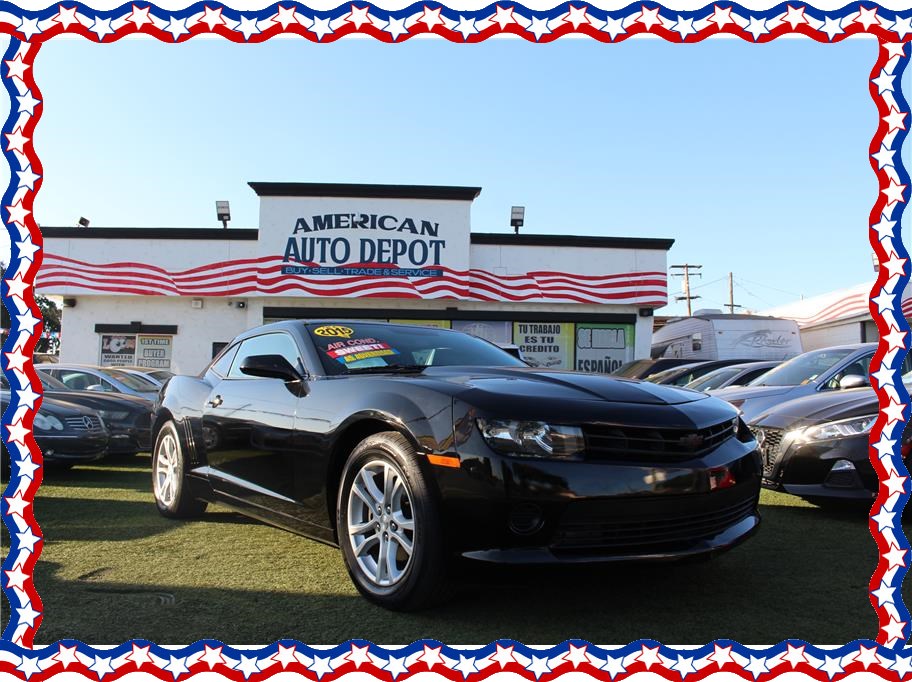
x: 171, y: 297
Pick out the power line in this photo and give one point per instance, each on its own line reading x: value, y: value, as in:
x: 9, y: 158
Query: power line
x: 766, y: 286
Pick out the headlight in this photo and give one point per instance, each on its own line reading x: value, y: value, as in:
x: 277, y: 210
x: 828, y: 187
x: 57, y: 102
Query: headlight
x: 855, y: 426
x: 532, y: 438
x: 45, y: 422
x: 108, y: 415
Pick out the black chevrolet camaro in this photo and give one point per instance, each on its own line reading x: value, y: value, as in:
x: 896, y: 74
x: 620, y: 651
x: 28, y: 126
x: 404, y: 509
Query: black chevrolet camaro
x: 407, y: 445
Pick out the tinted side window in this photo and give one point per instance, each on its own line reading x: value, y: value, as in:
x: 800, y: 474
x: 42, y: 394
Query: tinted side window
x: 860, y: 366
x: 267, y: 344
x: 78, y: 381
x: 223, y: 364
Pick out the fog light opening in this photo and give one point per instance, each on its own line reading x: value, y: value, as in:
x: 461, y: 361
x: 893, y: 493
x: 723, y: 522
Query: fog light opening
x: 526, y: 518
x: 842, y: 475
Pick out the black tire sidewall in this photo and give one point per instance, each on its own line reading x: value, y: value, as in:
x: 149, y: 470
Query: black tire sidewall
x: 422, y: 576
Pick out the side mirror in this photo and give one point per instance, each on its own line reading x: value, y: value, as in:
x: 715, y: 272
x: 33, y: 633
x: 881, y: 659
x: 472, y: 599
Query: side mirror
x: 853, y: 381
x: 270, y: 367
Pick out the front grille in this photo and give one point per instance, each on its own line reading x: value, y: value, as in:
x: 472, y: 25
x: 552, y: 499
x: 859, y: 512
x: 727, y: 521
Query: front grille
x: 631, y: 535
x: 769, y: 442
x: 639, y: 444
x: 86, y: 423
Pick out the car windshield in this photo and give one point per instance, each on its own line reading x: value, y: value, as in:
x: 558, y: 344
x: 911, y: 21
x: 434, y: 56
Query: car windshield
x: 803, y: 369
x: 354, y: 347
x: 137, y: 382
x: 713, y: 379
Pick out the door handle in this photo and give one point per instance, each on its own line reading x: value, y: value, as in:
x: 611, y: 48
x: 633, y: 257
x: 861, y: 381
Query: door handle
x: 215, y: 402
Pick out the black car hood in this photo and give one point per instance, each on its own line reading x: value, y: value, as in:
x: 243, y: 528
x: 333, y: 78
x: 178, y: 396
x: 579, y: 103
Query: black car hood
x: 101, y: 401
x: 54, y: 406
x: 471, y: 383
x: 822, y: 407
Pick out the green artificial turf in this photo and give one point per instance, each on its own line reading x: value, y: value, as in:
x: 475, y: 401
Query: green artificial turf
x: 112, y: 569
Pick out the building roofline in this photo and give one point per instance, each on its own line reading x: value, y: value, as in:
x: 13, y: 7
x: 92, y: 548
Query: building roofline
x: 330, y: 189
x: 197, y: 233
x: 552, y: 240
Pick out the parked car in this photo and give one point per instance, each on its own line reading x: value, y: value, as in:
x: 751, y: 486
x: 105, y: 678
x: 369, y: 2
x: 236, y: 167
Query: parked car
x: 67, y: 434
x: 816, y: 446
x: 732, y: 375
x: 684, y: 374
x: 817, y: 371
x: 640, y: 369
x: 102, y: 379
x: 158, y: 376
x: 407, y: 445
x: 128, y: 418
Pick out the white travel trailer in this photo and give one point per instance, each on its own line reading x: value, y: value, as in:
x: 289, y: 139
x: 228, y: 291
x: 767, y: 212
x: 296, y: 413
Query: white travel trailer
x: 713, y: 335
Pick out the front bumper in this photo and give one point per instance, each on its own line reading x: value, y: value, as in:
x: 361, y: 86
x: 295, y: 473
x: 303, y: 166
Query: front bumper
x: 511, y: 510
x: 73, y: 449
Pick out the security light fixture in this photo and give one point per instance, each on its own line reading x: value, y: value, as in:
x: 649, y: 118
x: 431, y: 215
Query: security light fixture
x: 517, y: 215
x: 83, y: 222
x: 223, y: 211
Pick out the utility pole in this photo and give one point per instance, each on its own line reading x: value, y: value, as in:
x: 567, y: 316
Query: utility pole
x: 686, y: 274
x: 731, y: 296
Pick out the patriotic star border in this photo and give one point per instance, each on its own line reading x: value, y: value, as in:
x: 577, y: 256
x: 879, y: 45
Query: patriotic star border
x: 31, y: 28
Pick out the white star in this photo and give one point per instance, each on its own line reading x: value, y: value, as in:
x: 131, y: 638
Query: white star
x: 884, y: 594
x: 757, y: 27
x: 286, y: 655
x: 896, y: 338
x: 884, y: 228
x: 757, y: 666
x: 101, y: 27
x: 16, y: 287
x: 29, y: 666
x: 684, y: 27
x: 177, y: 666
x: 794, y: 16
x: 212, y: 18
x: 894, y: 630
x: 895, y: 120
x: 320, y: 28
x: 16, y: 67
x: 28, y: 27
x: 395, y: 27
x: 16, y: 504
x: 101, y: 666
x: 321, y: 666
x: 27, y: 177
x: 289, y: 16
x: 894, y: 412
x: 576, y: 16
x: 247, y: 27
x: 18, y: 214
x: 884, y: 377
x: 883, y: 519
x: 684, y: 666
x: 140, y: 17
x: 721, y: 17
x: 883, y: 300
x: 213, y: 656
x: 894, y: 192
x: 649, y: 17
x: 66, y: 16
x: 539, y: 666
x: 884, y: 82
x: 832, y: 27
x: 466, y: 666
x: 27, y: 469
x: 614, y: 27
x: 895, y: 557
x: 895, y: 484
x: 249, y: 665
x: 614, y: 666
x: 903, y: 27
x: 27, y: 249
x: 649, y: 656
x: 27, y: 396
x: 721, y: 655
x: 140, y: 655
x: 832, y: 667
x: 431, y: 18
x: 27, y: 539
x: 27, y: 102
x: 868, y: 656
x: 502, y: 16
x: 431, y: 656
x: 577, y: 655
x: 538, y: 27
x: 17, y: 432
x: 65, y: 655
x: 177, y: 27
x: 894, y: 49
x: 16, y: 140
x: 901, y: 665
x: 866, y: 17
x: 28, y: 321
x: 504, y: 656
x: 884, y: 157
x: 16, y: 360
x: 395, y: 667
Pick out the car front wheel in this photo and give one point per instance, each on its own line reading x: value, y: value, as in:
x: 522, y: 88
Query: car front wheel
x: 169, y: 477
x: 389, y: 525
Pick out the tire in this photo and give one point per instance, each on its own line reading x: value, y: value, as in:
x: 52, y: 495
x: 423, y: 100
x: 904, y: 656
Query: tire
x: 169, y: 477
x: 409, y: 515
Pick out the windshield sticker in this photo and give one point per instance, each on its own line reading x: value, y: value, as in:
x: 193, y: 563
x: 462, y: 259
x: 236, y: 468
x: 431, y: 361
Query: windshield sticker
x: 334, y: 330
x: 358, y: 349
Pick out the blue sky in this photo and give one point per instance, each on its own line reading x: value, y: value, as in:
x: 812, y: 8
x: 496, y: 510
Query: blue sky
x: 753, y: 158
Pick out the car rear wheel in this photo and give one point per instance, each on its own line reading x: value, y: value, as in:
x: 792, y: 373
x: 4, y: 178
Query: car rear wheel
x: 169, y: 477
x: 389, y: 525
